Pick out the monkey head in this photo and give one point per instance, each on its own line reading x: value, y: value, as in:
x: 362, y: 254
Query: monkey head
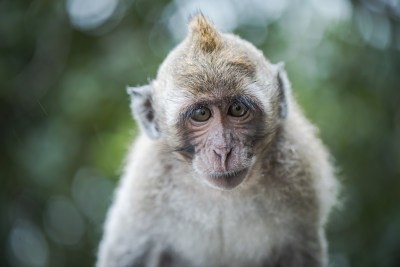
x: 215, y: 101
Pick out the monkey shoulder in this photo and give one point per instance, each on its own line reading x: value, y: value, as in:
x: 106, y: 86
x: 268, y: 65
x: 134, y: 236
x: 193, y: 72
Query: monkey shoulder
x: 300, y: 164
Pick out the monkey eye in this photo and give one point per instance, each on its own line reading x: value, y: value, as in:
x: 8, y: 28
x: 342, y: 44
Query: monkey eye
x: 201, y: 114
x: 237, y: 109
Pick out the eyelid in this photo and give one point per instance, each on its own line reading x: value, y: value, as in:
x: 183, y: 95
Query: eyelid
x: 193, y: 108
x: 245, y: 101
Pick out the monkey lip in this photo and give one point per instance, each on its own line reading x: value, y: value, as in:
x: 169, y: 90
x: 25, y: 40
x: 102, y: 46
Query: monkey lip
x: 227, y: 180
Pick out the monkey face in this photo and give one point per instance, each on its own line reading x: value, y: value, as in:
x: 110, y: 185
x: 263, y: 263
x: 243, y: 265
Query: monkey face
x: 215, y: 98
x: 220, y: 135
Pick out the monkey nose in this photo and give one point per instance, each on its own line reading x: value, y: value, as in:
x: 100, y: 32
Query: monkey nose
x: 223, y: 154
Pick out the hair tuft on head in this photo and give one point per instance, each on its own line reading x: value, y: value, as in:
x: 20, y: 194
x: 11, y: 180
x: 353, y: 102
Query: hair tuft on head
x: 204, y: 34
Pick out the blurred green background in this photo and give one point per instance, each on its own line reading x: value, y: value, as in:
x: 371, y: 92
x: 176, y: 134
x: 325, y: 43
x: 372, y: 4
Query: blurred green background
x: 66, y: 123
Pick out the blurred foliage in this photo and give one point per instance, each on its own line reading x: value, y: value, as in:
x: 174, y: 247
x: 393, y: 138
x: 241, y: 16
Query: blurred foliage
x: 66, y: 123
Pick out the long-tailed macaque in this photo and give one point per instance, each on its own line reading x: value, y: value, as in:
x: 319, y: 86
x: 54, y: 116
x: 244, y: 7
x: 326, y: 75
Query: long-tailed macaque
x: 226, y: 171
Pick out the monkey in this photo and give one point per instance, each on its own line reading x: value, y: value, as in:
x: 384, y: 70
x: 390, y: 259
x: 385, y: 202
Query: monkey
x: 226, y: 170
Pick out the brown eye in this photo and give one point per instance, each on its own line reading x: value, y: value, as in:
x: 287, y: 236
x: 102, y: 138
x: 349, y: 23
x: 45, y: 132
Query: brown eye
x: 201, y: 114
x: 237, y: 109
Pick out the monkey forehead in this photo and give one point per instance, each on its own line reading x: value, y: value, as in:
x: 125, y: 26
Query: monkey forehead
x: 234, y: 60
x: 235, y: 63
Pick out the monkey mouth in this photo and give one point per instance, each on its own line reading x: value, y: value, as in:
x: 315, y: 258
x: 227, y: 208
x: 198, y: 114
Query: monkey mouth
x: 227, y: 174
x: 227, y: 180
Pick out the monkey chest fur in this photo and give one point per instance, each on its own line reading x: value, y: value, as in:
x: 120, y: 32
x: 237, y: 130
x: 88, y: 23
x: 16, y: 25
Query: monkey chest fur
x: 210, y: 230
x: 219, y: 236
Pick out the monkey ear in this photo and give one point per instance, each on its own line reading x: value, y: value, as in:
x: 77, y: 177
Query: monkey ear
x: 142, y: 110
x: 284, y: 87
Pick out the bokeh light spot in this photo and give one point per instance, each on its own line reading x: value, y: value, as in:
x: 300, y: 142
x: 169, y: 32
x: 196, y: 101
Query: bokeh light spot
x: 92, y: 193
x: 89, y: 14
x: 63, y: 222
x: 28, y: 245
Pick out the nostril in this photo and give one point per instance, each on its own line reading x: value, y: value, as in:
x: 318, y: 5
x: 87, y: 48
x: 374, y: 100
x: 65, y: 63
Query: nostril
x: 228, y: 153
x: 217, y: 154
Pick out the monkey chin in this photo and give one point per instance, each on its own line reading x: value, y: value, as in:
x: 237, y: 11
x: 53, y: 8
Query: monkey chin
x: 226, y: 180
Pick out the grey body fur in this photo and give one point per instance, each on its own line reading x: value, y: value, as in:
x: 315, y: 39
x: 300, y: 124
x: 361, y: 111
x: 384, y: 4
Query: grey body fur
x: 163, y: 215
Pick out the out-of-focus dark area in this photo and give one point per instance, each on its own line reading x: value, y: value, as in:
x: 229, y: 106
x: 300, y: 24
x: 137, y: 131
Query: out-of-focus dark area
x: 66, y: 123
